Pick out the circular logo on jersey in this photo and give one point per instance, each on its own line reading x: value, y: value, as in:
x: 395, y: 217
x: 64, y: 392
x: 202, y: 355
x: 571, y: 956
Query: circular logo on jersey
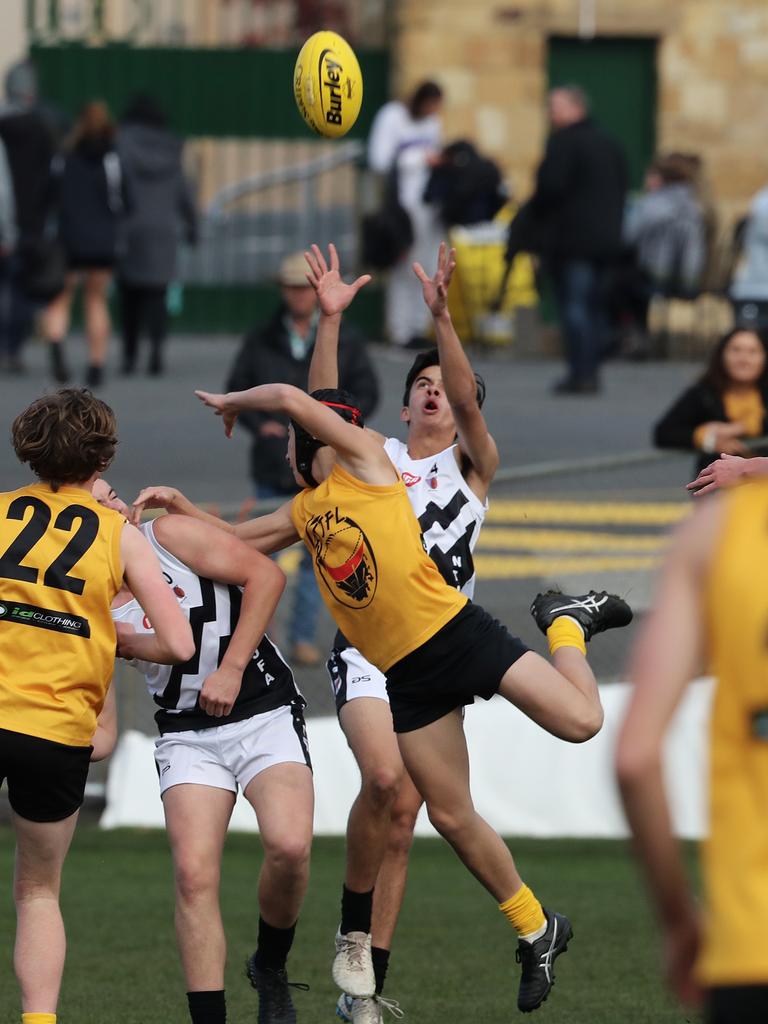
x: 3, y: 609
x: 346, y: 564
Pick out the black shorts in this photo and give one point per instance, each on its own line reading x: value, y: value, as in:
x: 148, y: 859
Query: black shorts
x: 465, y: 659
x: 737, y: 1004
x: 46, y: 780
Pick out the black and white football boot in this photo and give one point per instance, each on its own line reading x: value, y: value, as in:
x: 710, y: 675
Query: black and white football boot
x: 595, y: 612
x: 537, y: 960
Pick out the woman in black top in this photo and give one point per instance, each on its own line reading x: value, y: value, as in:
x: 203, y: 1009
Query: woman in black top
x: 89, y: 195
x: 725, y: 406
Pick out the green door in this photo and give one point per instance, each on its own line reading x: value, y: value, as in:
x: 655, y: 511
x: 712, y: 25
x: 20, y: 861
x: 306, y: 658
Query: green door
x: 619, y: 76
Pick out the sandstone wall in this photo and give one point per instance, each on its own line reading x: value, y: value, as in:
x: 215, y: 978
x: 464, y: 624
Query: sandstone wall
x: 491, y: 56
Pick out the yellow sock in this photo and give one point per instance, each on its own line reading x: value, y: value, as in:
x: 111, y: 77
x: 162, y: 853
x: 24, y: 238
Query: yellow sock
x: 523, y: 911
x: 38, y: 1018
x: 566, y: 632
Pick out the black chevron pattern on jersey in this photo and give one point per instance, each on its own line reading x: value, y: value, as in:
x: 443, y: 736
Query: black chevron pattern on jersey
x: 456, y: 565
x: 442, y: 516
x: 198, y: 616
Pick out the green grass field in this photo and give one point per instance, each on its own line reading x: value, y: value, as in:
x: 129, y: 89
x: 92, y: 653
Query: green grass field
x: 454, y: 952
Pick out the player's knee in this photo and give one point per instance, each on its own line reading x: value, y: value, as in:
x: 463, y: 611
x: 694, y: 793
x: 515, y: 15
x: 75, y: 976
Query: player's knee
x: 586, y: 725
x: 380, y: 786
x: 195, y: 879
x: 288, y: 855
x: 448, y: 821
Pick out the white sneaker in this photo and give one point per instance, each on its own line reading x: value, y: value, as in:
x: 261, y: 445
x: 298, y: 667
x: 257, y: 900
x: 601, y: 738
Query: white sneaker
x: 367, y: 1010
x: 352, y: 967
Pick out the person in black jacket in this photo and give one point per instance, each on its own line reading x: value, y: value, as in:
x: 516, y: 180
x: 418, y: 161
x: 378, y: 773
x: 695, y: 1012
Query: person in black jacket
x: 280, y: 351
x: 727, y: 404
x: 90, y: 197
x: 578, y: 204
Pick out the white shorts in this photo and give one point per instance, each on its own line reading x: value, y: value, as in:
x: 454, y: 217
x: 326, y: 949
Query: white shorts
x: 352, y: 676
x: 231, y: 755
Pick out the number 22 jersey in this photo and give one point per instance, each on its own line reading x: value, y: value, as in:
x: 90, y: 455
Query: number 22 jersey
x: 60, y: 567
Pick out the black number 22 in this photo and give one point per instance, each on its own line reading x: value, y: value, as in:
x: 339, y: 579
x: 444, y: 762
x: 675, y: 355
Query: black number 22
x: 57, y: 573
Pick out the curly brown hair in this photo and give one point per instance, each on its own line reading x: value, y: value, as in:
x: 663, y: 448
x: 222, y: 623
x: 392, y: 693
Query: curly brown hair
x: 66, y: 437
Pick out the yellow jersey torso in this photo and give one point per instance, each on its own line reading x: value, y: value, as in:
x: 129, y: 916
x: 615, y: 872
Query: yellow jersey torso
x: 379, y: 584
x: 60, y: 567
x: 735, y: 856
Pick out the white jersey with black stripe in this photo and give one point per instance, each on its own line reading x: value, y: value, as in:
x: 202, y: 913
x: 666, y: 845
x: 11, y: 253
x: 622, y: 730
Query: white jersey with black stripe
x: 212, y: 609
x: 449, y: 512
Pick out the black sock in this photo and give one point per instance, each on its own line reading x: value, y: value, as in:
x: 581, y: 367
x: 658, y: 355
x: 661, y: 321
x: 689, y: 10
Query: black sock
x: 380, y: 964
x: 274, y: 945
x: 207, y: 1007
x: 356, y: 910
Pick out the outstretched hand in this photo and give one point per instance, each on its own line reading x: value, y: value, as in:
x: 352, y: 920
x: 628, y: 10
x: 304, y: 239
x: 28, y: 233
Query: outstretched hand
x: 723, y: 472
x: 221, y: 406
x: 436, y: 288
x: 333, y: 294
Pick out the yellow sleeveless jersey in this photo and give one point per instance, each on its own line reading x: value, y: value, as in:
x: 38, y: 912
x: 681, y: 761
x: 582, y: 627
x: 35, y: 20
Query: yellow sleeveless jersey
x: 735, y: 857
x: 382, y: 588
x: 60, y: 567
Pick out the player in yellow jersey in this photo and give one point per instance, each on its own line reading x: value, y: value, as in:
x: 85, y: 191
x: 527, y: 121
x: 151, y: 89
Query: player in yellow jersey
x: 62, y: 559
x: 712, y: 602
x: 437, y: 649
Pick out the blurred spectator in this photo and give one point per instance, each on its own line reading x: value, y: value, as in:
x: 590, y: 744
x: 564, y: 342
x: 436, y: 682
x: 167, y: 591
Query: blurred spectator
x: 89, y: 198
x: 749, y: 290
x: 404, y: 143
x: 161, y: 207
x: 727, y: 404
x: 665, y: 226
x: 281, y: 351
x: 578, y: 205
x: 465, y: 187
x: 29, y: 144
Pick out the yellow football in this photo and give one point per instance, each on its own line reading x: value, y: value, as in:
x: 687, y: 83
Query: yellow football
x: 328, y: 84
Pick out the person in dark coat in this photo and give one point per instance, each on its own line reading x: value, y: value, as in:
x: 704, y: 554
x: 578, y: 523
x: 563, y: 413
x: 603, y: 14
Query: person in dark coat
x: 90, y: 196
x: 162, y: 209
x: 728, y: 404
x: 465, y: 186
x: 280, y: 351
x: 578, y: 203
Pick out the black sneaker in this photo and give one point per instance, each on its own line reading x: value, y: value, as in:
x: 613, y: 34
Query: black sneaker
x: 275, y: 1003
x: 595, y: 611
x: 538, y: 961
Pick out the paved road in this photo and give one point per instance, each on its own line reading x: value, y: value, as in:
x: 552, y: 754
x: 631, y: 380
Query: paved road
x: 601, y: 527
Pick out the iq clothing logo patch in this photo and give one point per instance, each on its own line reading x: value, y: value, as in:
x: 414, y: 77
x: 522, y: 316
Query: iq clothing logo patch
x: 45, y: 618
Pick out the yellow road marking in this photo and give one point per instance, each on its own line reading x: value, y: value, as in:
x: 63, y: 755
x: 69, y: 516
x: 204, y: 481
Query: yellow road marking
x: 567, y: 540
x: 660, y: 513
x: 522, y: 566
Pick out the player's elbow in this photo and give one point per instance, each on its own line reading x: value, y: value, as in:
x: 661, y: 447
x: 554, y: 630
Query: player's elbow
x: 180, y: 645
x: 634, y: 761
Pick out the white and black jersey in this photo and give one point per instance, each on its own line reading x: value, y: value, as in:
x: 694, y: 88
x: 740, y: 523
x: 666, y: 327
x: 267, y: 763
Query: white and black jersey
x: 449, y: 512
x: 213, y: 610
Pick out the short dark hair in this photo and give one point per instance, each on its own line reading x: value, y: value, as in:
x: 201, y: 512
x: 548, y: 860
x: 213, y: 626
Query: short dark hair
x: 432, y: 358
x: 66, y: 437
x: 425, y: 93
x: 343, y: 404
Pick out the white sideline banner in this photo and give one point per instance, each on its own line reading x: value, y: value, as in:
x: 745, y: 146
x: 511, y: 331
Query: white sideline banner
x: 524, y: 781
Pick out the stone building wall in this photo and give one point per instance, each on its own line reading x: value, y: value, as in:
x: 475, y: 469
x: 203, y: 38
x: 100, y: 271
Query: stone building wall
x: 491, y: 57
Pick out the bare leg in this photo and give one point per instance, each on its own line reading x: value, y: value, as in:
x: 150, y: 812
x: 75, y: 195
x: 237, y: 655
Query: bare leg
x: 562, y: 698
x: 56, y: 315
x: 367, y: 724
x: 41, y: 944
x: 97, y: 324
x: 283, y: 798
x: 196, y: 818
x: 437, y: 761
x: 393, y: 874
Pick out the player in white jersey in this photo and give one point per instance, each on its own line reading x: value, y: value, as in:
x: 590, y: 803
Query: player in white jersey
x: 230, y: 718
x: 447, y: 465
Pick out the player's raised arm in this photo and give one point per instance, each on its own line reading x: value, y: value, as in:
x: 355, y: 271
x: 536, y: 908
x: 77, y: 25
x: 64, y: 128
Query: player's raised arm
x: 458, y: 377
x: 356, y: 449
x: 172, y: 639
x: 224, y: 558
x: 333, y: 297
